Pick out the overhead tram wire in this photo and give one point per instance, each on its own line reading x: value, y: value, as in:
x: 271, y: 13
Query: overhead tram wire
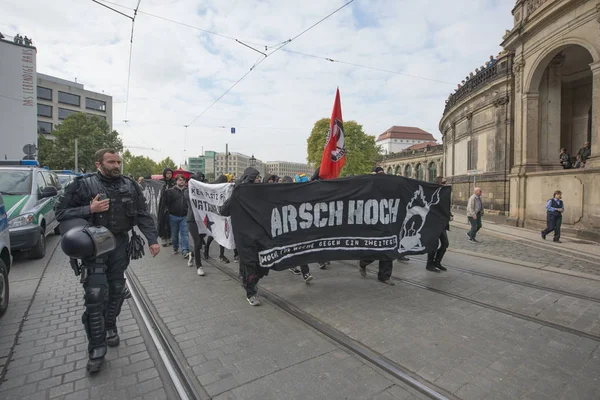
x: 245, y: 42
x: 285, y: 43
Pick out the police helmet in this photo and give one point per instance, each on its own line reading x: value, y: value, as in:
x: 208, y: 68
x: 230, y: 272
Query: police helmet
x: 87, y: 241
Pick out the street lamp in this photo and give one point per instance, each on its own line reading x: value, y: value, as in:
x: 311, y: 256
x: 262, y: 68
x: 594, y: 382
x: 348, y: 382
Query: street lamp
x: 252, y: 161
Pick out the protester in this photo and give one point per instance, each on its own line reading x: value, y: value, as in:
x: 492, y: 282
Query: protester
x: 304, y: 269
x: 251, y: 274
x: 210, y: 239
x: 474, y: 214
x: 140, y: 180
x: 177, y: 205
x: 554, y: 210
x: 197, y: 237
x: 164, y: 228
x: 434, y: 257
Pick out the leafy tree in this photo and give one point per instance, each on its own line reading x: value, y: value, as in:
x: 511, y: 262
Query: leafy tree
x: 137, y: 166
x: 93, y: 134
x: 166, y: 163
x: 361, y: 150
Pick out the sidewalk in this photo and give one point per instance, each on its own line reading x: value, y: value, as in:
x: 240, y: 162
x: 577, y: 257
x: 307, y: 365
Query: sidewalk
x: 49, y: 358
x: 570, y: 243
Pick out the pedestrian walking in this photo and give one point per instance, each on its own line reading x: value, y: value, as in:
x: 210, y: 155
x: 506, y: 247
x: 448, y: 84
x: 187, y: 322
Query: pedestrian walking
x: 177, y: 206
x: 113, y: 201
x: 554, y: 210
x: 474, y: 214
x: 164, y: 227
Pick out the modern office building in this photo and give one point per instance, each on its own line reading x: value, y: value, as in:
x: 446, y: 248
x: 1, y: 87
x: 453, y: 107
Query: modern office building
x: 58, y: 98
x: 196, y: 164
x: 283, y: 168
x: 17, y: 99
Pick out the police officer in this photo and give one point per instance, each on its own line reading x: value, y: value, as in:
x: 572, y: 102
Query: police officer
x: 107, y: 199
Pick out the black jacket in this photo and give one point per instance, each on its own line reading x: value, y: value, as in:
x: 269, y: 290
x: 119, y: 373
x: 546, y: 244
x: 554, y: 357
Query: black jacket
x: 249, y: 176
x: 75, y: 203
x: 176, y: 202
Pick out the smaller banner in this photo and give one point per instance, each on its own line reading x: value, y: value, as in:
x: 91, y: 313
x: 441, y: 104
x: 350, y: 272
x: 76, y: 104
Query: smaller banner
x: 206, y: 200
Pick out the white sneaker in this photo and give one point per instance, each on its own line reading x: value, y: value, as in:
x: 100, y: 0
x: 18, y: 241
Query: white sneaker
x: 190, y: 259
x: 200, y: 271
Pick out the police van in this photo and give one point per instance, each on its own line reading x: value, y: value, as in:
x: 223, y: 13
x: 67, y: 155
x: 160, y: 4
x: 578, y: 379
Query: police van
x: 29, y: 193
x: 66, y: 176
x: 5, y: 258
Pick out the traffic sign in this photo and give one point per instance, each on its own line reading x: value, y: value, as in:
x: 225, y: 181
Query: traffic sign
x: 29, y: 149
x: 232, y: 129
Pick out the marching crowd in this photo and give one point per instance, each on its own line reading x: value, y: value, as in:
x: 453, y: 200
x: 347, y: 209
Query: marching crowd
x: 176, y: 222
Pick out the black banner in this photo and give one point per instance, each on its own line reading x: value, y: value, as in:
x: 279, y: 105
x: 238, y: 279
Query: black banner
x: 282, y: 225
x: 152, y: 190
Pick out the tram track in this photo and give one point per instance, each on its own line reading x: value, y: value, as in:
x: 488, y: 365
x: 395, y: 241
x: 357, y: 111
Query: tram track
x: 516, y: 282
x: 391, y: 367
x: 482, y: 304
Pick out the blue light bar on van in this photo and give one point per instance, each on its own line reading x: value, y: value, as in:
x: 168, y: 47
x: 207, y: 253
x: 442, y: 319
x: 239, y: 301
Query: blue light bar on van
x: 30, y: 163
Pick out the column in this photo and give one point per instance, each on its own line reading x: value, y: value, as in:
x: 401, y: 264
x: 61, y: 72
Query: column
x: 594, y: 160
x: 551, y: 123
x: 530, y: 134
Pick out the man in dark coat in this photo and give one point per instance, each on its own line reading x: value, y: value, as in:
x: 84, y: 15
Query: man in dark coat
x: 164, y: 228
x: 434, y: 257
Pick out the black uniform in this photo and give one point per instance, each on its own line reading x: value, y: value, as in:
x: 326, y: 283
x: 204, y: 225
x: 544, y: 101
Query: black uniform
x: 105, y: 282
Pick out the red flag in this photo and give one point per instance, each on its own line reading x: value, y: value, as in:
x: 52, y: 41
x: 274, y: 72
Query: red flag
x: 334, y: 153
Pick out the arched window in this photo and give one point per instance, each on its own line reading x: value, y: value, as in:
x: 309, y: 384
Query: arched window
x: 389, y: 171
x: 419, y: 169
x: 398, y: 170
x: 408, y: 171
x: 432, y: 172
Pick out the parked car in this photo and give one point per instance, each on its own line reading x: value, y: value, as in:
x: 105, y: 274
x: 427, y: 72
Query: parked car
x: 5, y: 258
x: 65, y: 176
x: 30, y: 193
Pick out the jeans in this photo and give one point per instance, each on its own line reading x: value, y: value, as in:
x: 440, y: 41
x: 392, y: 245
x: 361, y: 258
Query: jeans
x: 553, y: 223
x: 179, y: 227
x: 475, y: 226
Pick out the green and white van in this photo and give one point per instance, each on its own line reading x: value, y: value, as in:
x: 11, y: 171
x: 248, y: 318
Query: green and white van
x: 29, y: 193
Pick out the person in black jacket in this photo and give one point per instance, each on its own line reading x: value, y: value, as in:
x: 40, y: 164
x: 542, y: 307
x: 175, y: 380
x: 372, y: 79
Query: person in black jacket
x: 434, y: 257
x: 250, y: 274
x: 112, y: 200
x: 164, y: 227
x: 177, y: 207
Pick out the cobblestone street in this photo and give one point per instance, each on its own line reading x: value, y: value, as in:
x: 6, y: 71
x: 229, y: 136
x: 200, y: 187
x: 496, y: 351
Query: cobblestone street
x: 485, y: 329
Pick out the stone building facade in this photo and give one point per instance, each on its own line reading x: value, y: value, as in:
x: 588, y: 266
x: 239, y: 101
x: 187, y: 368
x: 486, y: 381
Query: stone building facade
x: 543, y: 95
x: 424, y: 163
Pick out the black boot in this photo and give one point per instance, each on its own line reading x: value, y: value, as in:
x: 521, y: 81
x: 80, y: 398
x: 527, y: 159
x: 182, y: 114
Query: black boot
x: 112, y: 337
x: 438, y: 260
x: 96, y: 360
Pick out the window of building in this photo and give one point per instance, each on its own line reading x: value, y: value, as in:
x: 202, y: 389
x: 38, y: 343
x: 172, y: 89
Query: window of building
x: 44, y: 93
x: 64, y: 113
x: 44, y: 110
x: 68, y: 98
x: 93, y: 104
x: 44, y: 127
x: 419, y: 169
x: 99, y: 116
x: 432, y: 169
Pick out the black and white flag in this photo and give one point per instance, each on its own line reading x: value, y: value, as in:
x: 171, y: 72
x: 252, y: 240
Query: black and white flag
x: 206, y: 201
x: 367, y: 217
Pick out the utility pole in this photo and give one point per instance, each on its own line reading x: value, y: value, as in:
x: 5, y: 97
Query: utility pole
x: 76, y: 157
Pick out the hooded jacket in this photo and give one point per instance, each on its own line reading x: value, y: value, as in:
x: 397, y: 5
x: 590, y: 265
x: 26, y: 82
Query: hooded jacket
x: 248, y: 176
x: 168, y: 182
x: 287, y: 179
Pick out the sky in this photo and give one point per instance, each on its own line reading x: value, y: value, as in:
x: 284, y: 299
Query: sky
x: 178, y: 69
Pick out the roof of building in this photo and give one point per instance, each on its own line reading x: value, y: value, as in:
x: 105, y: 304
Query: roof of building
x: 422, y: 145
x: 406, y: 132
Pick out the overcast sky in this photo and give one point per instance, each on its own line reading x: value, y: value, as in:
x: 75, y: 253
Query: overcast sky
x: 178, y: 71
